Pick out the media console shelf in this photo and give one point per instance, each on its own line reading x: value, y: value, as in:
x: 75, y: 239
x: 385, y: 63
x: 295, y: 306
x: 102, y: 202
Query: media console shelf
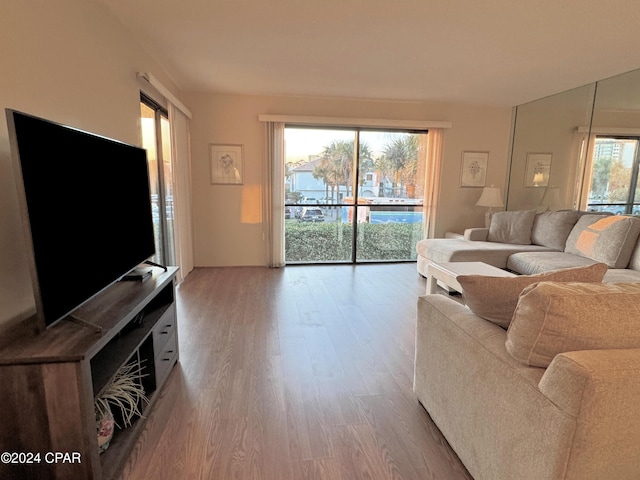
x: 48, y: 382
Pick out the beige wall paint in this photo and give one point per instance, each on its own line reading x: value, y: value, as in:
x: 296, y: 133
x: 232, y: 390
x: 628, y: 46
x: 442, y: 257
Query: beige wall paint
x: 228, y: 228
x: 72, y: 62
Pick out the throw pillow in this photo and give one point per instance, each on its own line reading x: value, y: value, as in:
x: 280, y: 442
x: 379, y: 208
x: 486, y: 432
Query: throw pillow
x: 512, y: 227
x: 551, y: 229
x: 553, y: 318
x: 609, y: 239
x: 495, y: 298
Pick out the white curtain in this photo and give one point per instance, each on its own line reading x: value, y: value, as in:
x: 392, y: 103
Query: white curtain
x: 274, y: 194
x: 432, y: 180
x: 587, y: 144
x: 181, y: 159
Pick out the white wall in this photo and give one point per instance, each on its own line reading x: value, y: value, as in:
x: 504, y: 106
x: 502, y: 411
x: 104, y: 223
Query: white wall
x: 228, y: 224
x: 72, y: 62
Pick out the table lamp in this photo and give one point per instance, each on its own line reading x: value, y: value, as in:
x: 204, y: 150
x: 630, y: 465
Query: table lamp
x: 538, y: 178
x: 492, y: 198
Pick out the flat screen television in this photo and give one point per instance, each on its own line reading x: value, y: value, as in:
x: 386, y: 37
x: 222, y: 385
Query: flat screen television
x: 86, y: 210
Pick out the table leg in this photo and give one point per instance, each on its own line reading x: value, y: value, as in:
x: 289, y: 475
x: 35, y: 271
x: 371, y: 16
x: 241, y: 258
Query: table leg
x: 432, y: 284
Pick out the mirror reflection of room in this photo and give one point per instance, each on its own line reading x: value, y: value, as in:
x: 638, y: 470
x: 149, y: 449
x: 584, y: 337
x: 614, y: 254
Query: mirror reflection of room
x: 590, y: 136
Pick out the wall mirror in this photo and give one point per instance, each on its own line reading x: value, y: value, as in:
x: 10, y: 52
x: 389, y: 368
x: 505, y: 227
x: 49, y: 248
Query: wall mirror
x: 610, y: 176
x: 548, y: 144
x: 579, y: 149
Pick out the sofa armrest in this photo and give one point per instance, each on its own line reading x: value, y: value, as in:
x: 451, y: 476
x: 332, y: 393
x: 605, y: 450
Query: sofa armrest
x: 600, y: 389
x: 476, y: 234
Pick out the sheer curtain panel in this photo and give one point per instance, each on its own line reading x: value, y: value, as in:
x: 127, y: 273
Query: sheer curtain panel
x: 432, y: 180
x: 274, y: 194
x: 181, y: 155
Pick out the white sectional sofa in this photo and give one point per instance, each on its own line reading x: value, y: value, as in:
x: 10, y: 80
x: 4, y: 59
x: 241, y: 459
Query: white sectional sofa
x: 554, y: 397
x: 537, y: 377
x: 527, y: 242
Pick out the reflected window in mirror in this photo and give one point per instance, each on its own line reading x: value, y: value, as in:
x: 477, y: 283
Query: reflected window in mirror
x: 612, y: 178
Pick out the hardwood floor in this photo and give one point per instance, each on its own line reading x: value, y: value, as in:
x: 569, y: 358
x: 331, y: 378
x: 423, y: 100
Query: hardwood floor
x: 297, y: 373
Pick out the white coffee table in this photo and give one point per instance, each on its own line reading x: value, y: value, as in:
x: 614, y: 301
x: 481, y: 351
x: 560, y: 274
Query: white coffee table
x: 448, y: 271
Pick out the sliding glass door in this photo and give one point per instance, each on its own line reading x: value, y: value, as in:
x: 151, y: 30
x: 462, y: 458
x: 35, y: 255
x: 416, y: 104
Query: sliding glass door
x: 155, y: 130
x: 353, y: 195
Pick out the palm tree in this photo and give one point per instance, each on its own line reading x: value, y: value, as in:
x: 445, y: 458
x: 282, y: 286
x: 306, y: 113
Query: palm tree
x: 399, y: 161
x: 321, y: 171
x: 336, y: 165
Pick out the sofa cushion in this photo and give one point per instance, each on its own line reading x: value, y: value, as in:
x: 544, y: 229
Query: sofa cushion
x: 609, y: 240
x: 495, y: 298
x: 530, y: 263
x: 512, y: 227
x: 456, y: 250
x: 552, y: 229
x: 553, y: 318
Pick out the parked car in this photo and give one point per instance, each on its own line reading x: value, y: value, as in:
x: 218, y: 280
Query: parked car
x: 621, y: 210
x: 615, y: 209
x: 288, y: 212
x: 311, y: 215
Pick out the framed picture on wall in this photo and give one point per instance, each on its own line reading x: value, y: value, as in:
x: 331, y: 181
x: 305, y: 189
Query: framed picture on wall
x: 473, y: 172
x: 537, y: 170
x: 226, y: 164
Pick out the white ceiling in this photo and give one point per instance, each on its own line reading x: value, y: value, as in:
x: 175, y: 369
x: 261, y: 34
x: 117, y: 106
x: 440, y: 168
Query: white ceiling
x: 492, y: 52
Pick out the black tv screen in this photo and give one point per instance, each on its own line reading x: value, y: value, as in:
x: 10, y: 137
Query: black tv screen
x: 86, y: 207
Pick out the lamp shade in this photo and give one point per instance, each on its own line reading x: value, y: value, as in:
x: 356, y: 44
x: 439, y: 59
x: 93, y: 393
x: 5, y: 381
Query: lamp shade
x: 491, y: 197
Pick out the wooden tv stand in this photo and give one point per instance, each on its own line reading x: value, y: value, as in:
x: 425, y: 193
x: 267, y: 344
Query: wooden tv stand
x: 48, y: 382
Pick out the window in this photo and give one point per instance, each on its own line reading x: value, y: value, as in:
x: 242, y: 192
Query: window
x: 366, y: 187
x: 155, y: 132
x: 613, y: 180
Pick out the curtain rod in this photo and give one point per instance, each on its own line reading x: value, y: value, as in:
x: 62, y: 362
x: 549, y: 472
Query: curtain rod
x: 353, y: 122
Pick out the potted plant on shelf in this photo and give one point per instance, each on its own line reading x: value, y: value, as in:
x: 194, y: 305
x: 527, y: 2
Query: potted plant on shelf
x: 126, y: 394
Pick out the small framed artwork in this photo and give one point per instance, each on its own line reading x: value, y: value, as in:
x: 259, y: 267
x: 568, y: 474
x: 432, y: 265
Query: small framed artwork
x: 537, y: 170
x: 473, y: 172
x: 226, y: 164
